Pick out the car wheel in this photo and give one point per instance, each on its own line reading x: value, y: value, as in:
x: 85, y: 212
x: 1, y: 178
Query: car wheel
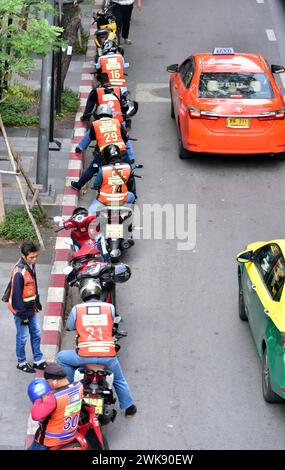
x: 241, y: 307
x: 268, y: 394
x: 172, y: 109
x: 183, y: 153
x: 280, y: 156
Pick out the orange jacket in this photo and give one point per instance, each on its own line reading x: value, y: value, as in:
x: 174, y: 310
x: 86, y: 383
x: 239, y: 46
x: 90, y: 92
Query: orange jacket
x: 113, y: 100
x: 94, y: 328
x: 108, y: 132
x: 114, y: 188
x: 29, y: 292
x: 61, y: 426
x: 113, y: 66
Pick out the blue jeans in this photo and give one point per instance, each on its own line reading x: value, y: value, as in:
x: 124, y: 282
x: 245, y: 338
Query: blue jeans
x: 36, y: 446
x: 95, y: 204
x: 70, y: 361
x: 33, y: 327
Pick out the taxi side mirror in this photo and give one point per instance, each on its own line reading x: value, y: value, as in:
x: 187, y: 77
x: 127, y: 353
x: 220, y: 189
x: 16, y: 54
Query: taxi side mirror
x: 172, y: 68
x: 245, y: 256
x: 277, y: 69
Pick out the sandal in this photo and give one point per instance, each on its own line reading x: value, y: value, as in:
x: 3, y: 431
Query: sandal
x: 26, y: 368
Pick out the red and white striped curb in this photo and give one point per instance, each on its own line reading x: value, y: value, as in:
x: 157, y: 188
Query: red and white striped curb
x: 53, y: 316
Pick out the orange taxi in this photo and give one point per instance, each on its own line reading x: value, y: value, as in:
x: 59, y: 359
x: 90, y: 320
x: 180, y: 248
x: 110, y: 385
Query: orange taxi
x: 227, y: 103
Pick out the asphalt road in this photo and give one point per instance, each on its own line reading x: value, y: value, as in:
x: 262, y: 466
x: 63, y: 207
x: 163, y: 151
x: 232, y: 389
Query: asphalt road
x: 190, y: 362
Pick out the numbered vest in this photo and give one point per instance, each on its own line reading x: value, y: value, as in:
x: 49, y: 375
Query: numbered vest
x: 61, y: 426
x: 94, y: 328
x: 114, y: 188
x: 113, y: 66
x: 108, y: 132
x: 29, y: 290
x: 112, y: 100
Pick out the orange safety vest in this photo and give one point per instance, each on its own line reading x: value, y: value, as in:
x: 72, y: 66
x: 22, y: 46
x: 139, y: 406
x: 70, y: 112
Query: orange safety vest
x: 61, y: 426
x: 114, y: 189
x: 94, y: 328
x: 112, y: 100
x: 113, y: 66
x: 29, y: 291
x: 108, y: 132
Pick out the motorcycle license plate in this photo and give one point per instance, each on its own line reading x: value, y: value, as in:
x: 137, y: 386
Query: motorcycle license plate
x: 97, y: 402
x: 114, y: 231
x: 242, y: 123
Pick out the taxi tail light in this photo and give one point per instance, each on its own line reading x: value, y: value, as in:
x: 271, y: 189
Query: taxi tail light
x: 273, y: 115
x: 196, y: 113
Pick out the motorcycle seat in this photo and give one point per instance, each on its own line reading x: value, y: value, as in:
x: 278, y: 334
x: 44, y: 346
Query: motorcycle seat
x: 95, y: 367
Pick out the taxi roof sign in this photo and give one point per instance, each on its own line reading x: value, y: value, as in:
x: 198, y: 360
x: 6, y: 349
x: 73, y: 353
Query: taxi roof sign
x: 223, y: 51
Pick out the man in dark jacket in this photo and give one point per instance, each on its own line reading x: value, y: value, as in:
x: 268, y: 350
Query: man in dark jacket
x: 24, y: 303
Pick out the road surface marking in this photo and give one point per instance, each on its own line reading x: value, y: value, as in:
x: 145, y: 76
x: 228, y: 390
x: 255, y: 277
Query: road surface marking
x: 271, y: 35
x: 149, y: 92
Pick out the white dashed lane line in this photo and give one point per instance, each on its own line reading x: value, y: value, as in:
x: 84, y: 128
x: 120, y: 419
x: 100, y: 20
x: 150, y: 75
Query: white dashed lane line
x: 259, y: 1
x: 271, y: 35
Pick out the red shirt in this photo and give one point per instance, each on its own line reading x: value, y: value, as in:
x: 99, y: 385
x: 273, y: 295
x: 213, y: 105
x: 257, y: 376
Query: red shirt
x: 43, y: 407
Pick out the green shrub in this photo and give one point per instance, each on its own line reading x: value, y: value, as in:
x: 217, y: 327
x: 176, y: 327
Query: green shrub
x: 18, y: 227
x: 69, y: 101
x: 81, y: 49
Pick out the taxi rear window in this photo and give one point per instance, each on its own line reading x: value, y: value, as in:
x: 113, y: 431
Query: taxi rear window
x: 232, y: 85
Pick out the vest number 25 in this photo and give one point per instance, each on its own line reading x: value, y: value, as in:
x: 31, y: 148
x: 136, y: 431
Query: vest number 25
x: 111, y: 136
x: 71, y: 422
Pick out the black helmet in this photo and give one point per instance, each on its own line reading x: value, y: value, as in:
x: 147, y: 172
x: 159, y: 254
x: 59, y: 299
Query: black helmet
x: 104, y: 110
x: 130, y: 107
x: 109, y: 47
x: 89, y: 288
x: 122, y: 273
x: 112, y: 152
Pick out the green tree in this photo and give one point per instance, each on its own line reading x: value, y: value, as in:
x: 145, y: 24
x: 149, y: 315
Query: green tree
x: 24, y: 34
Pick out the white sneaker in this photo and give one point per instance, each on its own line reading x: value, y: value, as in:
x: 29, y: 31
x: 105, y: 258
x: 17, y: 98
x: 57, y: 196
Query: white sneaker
x: 128, y: 42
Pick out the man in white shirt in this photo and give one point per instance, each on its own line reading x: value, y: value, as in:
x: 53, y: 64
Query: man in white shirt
x: 123, y: 11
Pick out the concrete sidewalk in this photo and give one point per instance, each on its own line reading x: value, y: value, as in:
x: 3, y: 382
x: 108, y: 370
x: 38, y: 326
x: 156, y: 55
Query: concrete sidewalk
x: 15, y: 407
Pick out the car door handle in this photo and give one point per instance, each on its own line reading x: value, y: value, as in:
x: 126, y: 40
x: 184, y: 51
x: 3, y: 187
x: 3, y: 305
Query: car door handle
x: 266, y: 312
x: 253, y: 287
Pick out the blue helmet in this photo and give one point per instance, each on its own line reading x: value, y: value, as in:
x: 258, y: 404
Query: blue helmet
x: 38, y: 388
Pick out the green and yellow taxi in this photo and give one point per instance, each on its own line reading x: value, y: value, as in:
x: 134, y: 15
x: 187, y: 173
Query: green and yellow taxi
x: 261, y: 276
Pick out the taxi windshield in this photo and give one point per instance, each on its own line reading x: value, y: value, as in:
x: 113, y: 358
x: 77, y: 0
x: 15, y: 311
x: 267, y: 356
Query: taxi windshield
x: 235, y: 85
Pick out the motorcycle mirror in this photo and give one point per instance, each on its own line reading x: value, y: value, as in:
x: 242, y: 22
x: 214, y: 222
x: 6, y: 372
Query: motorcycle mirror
x: 67, y: 270
x: 139, y: 166
x: 57, y: 219
x: 172, y: 68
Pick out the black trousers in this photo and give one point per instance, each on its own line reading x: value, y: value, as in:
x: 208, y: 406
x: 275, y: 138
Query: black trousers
x: 123, y: 15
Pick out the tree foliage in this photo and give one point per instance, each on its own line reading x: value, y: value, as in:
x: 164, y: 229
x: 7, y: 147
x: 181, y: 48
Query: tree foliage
x: 24, y: 34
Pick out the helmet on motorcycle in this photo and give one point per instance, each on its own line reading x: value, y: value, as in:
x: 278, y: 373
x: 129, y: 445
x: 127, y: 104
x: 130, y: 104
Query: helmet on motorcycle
x: 109, y: 47
x: 104, y: 110
x: 79, y: 214
x: 122, y: 273
x: 101, y: 35
x: 38, y: 388
x: 130, y: 107
x: 115, y: 255
x: 89, y: 288
x: 111, y: 153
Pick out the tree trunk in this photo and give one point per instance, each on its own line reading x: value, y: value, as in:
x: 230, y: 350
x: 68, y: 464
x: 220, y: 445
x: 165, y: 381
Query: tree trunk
x: 71, y: 22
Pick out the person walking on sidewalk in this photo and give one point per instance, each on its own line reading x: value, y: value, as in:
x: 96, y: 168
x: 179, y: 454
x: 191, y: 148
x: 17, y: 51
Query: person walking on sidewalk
x: 123, y: 10
x: 24, y: 303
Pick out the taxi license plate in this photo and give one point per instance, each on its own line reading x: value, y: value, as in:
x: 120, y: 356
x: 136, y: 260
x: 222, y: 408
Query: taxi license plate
x: 242, y: 123
x: 97, y: 402
x: 114, y: 231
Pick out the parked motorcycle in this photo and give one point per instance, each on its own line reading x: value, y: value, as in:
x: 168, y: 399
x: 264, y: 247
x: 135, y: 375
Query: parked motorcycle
x: 116, y: 225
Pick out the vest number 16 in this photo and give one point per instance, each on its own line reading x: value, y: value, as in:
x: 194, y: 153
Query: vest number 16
x: 115, y: 74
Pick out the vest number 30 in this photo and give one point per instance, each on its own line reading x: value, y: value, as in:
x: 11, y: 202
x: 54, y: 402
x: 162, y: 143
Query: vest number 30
x: 71, y: 422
